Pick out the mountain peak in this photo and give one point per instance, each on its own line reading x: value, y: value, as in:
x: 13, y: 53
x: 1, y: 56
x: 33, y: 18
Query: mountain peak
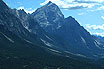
x: 49, y: 2
x: 22, y: 11
x: 49, y: 16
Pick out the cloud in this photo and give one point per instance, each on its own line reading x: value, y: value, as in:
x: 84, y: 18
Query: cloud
x: 95, y: 27
x: 20, y: 8
x: 91, y: 1
x: 27, y: 10
x: 100, y: 8
x: 81, y: 13
x: 99, y: 34
x: 98, y: 1
x: 73, y: 7
x: 102, y: 17
x: 77, y: 6
x: 19, y: 3
x: 74, y: 4
x: 80, y: 1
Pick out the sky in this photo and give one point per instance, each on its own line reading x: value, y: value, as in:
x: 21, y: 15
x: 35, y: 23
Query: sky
x: 89, y: 13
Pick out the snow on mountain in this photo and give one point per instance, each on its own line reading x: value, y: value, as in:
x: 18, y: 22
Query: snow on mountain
x: 74, y: 37
x: 49, y: 16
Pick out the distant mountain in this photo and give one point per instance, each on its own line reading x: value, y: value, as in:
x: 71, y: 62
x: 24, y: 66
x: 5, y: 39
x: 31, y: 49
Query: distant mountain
x: 100, y: 38
x: 74, y: 37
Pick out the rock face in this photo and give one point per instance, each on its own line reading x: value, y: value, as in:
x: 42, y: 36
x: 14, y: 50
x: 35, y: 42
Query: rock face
x: 13, y: 23
x: 78, y: 38
x: 27, y: 20
x: 3, y: 6
x: 74, y: 37
x: 22, y: 24
x: 49, y: 17
x: 30, y: 24
x: 10, y: 21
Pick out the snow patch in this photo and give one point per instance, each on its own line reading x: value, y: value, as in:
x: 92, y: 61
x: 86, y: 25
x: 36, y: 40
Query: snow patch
x: 50, y: 4
x: 48, y: 38
x: 75, y: 54
x: 58, y: 26
x: 83, y: 40
x: 97, y: 45
x: 27, y: 28
x: 45, y: 24
x: 80, y: 55
x: 46, y: 43
x: 67, y: 56
x: 17, y: 13
x: 60, y: 14
x: 68, y: 52
x: 28, y: 41
x: 54, y: 50
x: 97, y: 42
x: 8, y: 38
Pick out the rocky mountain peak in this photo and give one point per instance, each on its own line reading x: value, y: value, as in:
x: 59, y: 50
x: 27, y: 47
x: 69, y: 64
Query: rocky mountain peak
x: 49, y: 2
x: 49, y: 8
x: 72, y: 21
x: 49, y: 16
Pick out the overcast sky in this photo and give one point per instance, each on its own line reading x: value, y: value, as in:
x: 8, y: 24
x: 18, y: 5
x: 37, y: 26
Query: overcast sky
x: 89, y: 13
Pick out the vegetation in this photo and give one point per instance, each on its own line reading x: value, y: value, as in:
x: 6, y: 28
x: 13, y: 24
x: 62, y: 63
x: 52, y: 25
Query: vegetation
x: 24, y: 55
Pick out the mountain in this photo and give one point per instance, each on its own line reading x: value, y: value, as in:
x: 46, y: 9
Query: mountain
x: 26, y: 44
x: 22, y: 24
x: 42, y: 15
x: 72, y: 36
x: 13, y: 24
x: 100, y: 38
x: 20, y: 54
x: 80, y: 40
x: 30, y: 24
x: 25, y: 26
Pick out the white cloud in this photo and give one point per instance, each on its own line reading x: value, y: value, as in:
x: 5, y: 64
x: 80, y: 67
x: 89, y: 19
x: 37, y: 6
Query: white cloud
x: 102, y: 17
x: 100, y: 8
x: 95, y: 27
x: 78, y: 5
x: 20, y: 8
x: 98, y: 0
x: 91, y: 1
x: 74, y: 4
x: 99, y: 34
x: 27, y: 10
x: 19, y: 3
x: 81, y: 13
